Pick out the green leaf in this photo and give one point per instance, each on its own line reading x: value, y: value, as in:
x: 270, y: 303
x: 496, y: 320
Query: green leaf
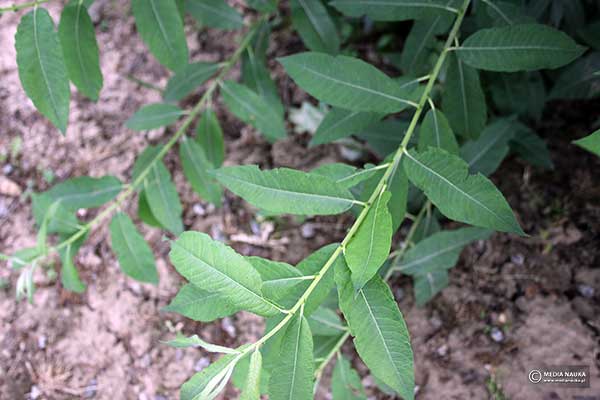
x: 252, y: 386
x: 161, y: 193
x: 84, y: 192
x: 346, y: 82
x: 426, y: 286
x: 339, y: 123
x: 324, y: 345
x: 21, y: 258
x: 188, y: 79
x: 435, y: 131
x: 346, y: 175
x: 134, y: 255
x: 253, y: 109
x: 397, y: 10
x: 325, y: 322
x: 380, y: 334
x: 41, y: 67
x: 590, y: 143
x: 505, y: 13
x: 63, y: 220
x: 69, y: 275
x: 369, y: 247
x: 472, y: 199
x: 487, y: 152
x: 182, y: 341
x: 286, y: 191
x: 242, y: 369
x: 523, y: 93
x: 531, y: 147
x: 154, y: 116
x: 315, y: 26
x: 580, y: 80
x: 208, y: 383
x: 264, y: 6
x: 420, y: 45
x: 524, y: 47
x: 215, y: 267
x: 257, y: 77
x: 345, y: 382
x: 398, y: 187
x: 278, y: 277
x: 214, y: 14
x: 439, y: 251
x: 463, y: 100
x: 195, y: 167
x: 80, y: 49
x: 200, y: 305
x: 161, y: 28
x: 384, y: 137
x: 294, y: 377
x: 144, y: 212
x: 210, y: 136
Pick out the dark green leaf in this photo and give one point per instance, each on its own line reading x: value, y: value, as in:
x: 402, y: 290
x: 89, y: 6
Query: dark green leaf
x: 315, y: 26
x: 188, y: 79
x: 144, y: 212
x: 436, y: 132
x: 531, y: 147
x: 195, y: 167
x: 161, y: 193
x: 257, y: 77
x: 485, y: 154
x: 154, y: 116
x: 214, y: 14
x: 580, y: 80
x: 426, y: 286
x: 339, y: 123
x: 396, y: 10
x: 210, y: 136
x: 345, y: 382
x: 384, y: 137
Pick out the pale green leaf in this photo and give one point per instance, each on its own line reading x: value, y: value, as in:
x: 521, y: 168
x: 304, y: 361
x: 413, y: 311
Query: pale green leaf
x: 345, y: 382
x: 182, y: 341
x: 242, y: 369
x: 214, y: 14
x: 42, y: 68
x: 215, y: 267
x: 393, y: 10
x: 84, y: 192
x: 325, y: 322
x: 63, y: 220
x: 463, y: 101
x: 69, y: 276
x: 133, y: 253
x: 187, y: 79
x: 159, y: 24
x: 80, y: 49
x: 472, y: 199
x: 346, y: 175
x: 294, y: 377
x: 208, y: 383
x: 340, y: 123
x: 380, y: 333
x: 278, y: 277
x: 523, y: 47
x: 200, y: 305
x: 439, y: 251
x: 195, y: 167
x: 435, y: 131
x: 210, y: 136
x: 252, y: 386
x: 485, y: 154
x: 253, y: 109
x: 426, y: 286
x: 21, y: 258
x: 590, y: 143
x: 153, y: 116
x: 315, y: 26
x: 284, y: 190
x: 580, y: 80
x: 162, y: 197
x: 324, y: 345
x: 370, y: 245
x: 346, y: 82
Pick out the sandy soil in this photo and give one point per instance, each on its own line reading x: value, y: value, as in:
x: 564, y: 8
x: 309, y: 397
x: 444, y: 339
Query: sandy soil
x: 513, y: 303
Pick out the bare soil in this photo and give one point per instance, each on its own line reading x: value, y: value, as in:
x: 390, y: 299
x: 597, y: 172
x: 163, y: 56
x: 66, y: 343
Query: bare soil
x: 513, y: 303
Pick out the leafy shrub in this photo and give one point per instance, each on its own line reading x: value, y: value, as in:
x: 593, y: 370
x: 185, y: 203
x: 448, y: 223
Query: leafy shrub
x: 460, y: 107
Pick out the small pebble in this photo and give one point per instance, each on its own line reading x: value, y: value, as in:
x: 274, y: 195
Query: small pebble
x: 7, y: 169
x: 35, y: 392
x: 398, y: 293
x: 90, y: 389
x: 146, y: 361
x: 586, y: 291
x: 198, y: 209
x: 435, y: 322
x: 517, y: 259
x: 307, y: 231
x: 442, y: 351
x: 227, y: 326
x: 497, y: 335
x: 201, y: 364
x: 142, y: 396
x: 42, y: 342
x: 255, y: 227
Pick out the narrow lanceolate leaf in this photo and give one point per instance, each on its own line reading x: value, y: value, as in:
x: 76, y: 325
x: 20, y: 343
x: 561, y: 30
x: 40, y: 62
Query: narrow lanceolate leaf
x: 315, y: 26
x: 426, y: 286
x: 188, y: 79
x: 524, y: 47
x: 254, y: 110
x: 370, y: 246
x: 294, y: 377
x: 208, y: 383
x: 214, y: 14
x: 380, y: 333
x: 346, y: 175
x: 487, y: 152
x: 134, y: 255
x: 196, y: 167
x: 346, y: 82
x: 144, y: 212
x: 161, y: 28
x: 154, y: 116
x: 286, y: 191
x: 210, y: 136
x: 69, y: 275
x: 80, y: 49
x: 252, y: 386
x: 419, y: 46
x: 463, y: 100
x: 384, y: 137
x: 63, y: 219
x: 215, y: 267
x: 340, y: 123
x: 436, y: 132
x: 163, y: 199
x: 397, y: 10
x: 472, y: 199
x: 182, y: 341
x: 200, y: 305
x: 580, y: 80
x: 257, y: 77
x: 84, y: 192
x: 531, y: 147
x: 398, y: 187
x: 590, y: 143
x: 263, y: 5
x: 41, y: 67
x: 345, y: 382
x: 440, y: 250
x: 278, y: 277
x: 325, y: 322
